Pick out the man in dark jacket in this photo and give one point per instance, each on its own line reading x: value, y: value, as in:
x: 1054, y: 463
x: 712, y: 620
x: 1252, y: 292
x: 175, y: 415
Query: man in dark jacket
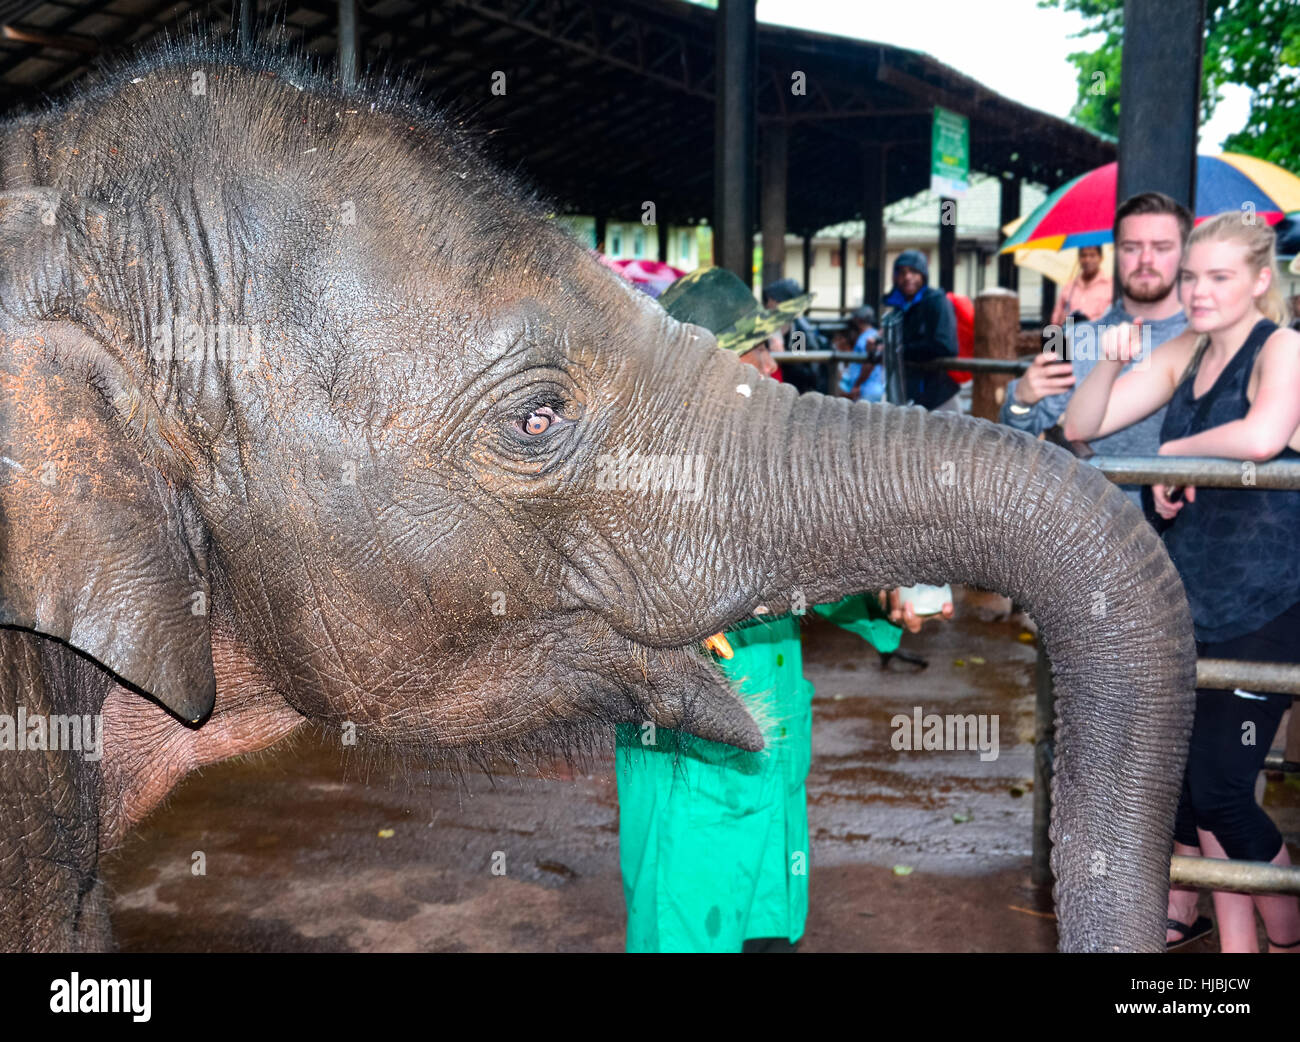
x: 929, y: 331
x: 800, y: 377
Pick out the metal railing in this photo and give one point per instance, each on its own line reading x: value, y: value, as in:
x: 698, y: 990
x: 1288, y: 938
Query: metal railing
x: 1247, y: 877
x: 890, y: 328
x: 1274, y: 677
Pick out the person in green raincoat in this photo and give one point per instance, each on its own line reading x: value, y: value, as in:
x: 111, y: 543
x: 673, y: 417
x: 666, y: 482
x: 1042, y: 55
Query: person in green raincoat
x: 713, y: 840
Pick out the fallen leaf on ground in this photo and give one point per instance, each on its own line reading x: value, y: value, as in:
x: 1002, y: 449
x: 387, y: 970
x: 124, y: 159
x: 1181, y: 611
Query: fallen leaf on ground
x: 1030, y: 911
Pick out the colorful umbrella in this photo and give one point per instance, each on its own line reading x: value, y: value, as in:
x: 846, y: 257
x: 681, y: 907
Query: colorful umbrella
x: 649, y: 276
x: 1058, y: 265
x: 1081, y: 212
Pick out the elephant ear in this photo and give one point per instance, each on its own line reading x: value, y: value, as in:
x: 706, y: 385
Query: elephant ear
x: 98, y: 547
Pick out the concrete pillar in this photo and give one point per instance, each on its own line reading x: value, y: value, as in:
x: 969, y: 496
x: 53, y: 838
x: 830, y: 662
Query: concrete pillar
x: 873, y: 212
x: 1048, y: 299
x: 1160, y: 90
x: 733, y: 137
x: 348, y: 42
x: 1008, y: 211
x: 997, y: 330
x: 844, y: 274
x: 947, y: 245
x: 775, y: 162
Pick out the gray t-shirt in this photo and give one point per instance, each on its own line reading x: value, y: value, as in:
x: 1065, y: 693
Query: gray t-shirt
x: 1140, y: 439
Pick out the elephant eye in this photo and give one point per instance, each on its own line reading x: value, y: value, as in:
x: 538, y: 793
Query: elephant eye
x: 539, y: 421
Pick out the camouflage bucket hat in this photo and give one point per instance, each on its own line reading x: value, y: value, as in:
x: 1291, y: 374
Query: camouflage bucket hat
x: 717, y: 300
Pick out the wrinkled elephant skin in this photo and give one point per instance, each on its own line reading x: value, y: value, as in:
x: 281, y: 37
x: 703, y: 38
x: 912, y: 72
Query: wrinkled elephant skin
x: 309, y: 413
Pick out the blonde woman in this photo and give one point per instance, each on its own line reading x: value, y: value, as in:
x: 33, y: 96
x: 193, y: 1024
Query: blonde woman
x: 1232, y: 387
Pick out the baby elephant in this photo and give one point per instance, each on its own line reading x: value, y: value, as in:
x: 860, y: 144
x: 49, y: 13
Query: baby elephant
x: 307, y: 412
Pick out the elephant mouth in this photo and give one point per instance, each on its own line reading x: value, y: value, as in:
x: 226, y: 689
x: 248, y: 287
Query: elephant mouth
x: 683, y: 688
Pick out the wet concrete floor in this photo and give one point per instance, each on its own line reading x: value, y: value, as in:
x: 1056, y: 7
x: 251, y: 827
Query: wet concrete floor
x: 303, y: 851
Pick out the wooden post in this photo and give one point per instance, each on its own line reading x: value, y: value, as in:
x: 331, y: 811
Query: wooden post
x: 873, y: 211
x: 776, y: 150
x: 947, y: 244
x: 1160, y: 93
x: 1048, y: 299
x: 997, y: 328
x: 1008, y: 211
x: 734, y: 132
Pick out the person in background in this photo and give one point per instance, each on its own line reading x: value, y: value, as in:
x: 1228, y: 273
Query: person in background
x: 713, y: 841
x: 1295, y: 312
x: 799, y: 335
x: 929, y: 331
x: 1149, y: 233
x: 866, y: 341
x: 1228, y: 387
x: 1089, y: 294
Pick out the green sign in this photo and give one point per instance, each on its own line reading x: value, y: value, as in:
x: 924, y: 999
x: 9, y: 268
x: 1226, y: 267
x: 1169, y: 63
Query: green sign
x: 949, y: 153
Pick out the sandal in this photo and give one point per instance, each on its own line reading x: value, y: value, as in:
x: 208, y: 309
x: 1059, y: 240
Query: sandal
x: 1195, y: 932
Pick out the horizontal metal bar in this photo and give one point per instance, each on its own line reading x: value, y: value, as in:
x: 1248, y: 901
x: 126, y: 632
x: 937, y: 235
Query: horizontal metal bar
x: 1198, y: 470
x: 974, y: 365
x: 817, y: 356
x: 1240, y: 877
x: 968, y: 365
x: 1280, y: 677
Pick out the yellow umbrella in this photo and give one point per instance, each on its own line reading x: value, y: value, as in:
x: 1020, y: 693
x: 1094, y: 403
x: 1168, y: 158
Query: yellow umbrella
x: 1058, y: 265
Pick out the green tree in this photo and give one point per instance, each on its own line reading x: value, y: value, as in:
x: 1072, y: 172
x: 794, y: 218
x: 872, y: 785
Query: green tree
x: 1253, y: 43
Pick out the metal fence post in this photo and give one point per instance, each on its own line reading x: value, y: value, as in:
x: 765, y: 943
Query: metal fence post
x: 891, y: 331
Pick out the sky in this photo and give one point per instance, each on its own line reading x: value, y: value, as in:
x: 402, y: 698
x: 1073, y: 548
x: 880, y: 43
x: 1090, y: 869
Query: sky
x: 1012, y: 46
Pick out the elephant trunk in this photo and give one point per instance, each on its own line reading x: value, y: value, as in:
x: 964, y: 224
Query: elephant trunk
x: 889, y: 496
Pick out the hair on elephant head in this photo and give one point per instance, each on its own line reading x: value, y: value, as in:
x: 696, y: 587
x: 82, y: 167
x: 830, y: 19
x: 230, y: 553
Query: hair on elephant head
x: 305, y: 399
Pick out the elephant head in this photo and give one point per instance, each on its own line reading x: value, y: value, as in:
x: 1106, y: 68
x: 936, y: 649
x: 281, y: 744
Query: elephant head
x: 296, y: 371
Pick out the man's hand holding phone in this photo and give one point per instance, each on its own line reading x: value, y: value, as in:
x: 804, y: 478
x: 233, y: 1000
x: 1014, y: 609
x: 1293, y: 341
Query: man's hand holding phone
x: 1047, y: 374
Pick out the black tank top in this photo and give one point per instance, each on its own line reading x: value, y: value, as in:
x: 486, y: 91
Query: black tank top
x: 1237, y: 550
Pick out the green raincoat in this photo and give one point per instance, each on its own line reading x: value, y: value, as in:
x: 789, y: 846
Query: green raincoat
x: 713, y: 841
